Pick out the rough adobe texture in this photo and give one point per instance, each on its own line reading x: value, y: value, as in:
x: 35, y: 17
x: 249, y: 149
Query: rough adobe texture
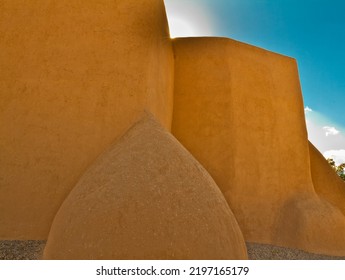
x: 238, y: 109
x: 145, y: 198
x: 74, y: 75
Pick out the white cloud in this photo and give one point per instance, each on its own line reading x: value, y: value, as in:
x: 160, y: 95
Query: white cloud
x: 316, y: 125
x: 307, y: 109
x: 330, y: 130
x: 337, y: 155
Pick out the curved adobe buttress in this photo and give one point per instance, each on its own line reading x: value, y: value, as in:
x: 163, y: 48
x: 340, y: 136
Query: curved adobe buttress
x: 327, y: 184
x: 74, y: 76
x: 146, y: 197
x: 239, y: 110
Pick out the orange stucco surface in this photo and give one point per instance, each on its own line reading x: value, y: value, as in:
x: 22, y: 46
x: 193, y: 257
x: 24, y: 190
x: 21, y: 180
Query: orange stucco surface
x: 146, y: 197
x: 74, y: 75
x: 239, y: 110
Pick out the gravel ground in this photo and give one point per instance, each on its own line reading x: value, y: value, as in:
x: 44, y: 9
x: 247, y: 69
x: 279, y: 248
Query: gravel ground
x: 32, y: 250
x: 270, y: 252
x: 21, y: 250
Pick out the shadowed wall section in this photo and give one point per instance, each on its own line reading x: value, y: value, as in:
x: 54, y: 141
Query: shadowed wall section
x: 238, y: 109
x: 327, y: 184
x: 146, y: 197
x: 74, y: 75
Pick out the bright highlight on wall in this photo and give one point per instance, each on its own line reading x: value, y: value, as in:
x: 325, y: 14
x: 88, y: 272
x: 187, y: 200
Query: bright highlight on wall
x: 188, y: 19
x: 181, y: 28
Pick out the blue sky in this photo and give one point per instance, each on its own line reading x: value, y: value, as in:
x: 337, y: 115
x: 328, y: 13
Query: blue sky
x: 312, y: 31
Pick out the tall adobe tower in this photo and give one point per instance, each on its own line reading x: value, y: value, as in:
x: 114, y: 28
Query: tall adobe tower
x: 75, y: 75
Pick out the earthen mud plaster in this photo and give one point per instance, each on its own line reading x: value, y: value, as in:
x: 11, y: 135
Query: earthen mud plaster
x: 145, y: 198
x: 327, y: 184
x: 74, y: 75
x: 239, y: 110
